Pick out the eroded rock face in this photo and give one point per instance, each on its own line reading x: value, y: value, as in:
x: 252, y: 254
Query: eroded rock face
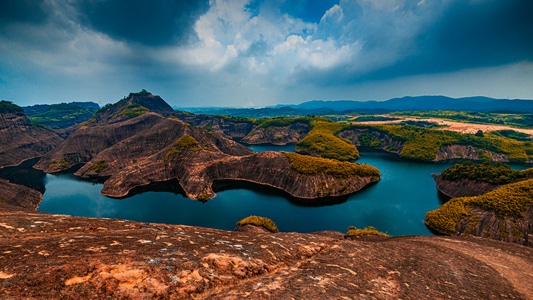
x: 276, y: 135
x: 451, y: 152
x: 487, y: 224
x: 20, y: 140
x: 386, y: 143
x: 462, y: 188
x: 88, y: 258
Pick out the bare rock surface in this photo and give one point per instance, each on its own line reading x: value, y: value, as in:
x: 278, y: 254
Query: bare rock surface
x: 47, y: 256
x: 463, y: 187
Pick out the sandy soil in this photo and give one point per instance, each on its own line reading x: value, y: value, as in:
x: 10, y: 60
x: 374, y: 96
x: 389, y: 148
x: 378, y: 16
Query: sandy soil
x: 454, y: 126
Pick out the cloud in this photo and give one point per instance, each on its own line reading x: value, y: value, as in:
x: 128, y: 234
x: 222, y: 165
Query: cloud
x: 241, y: 52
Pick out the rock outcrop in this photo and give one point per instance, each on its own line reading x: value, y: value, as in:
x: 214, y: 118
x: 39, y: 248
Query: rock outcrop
x: 20, y: 140
x: 19, y: 195
x: 88, y: 258
x: 463, y: 187
x: 277, y: 135
x: 487, y: 224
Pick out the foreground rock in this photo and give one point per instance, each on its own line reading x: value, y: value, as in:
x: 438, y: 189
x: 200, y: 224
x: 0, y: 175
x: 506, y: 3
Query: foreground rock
x: 54, y: 256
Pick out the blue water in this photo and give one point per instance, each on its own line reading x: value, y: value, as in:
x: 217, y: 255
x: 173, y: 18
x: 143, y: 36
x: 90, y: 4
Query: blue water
x: 397, y: 204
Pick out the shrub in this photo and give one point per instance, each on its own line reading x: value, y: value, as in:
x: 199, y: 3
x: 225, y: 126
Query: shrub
x: 266, y: 223
x: 370, y: 230
x: 495, y: 173
x: 98, y: 166
x: 9, y: 107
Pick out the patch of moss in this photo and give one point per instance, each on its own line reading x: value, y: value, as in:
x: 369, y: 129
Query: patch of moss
x: 98, y: 166
x: 186, y: 142
x: 266, y: 223
x: 311, y: 165
x: 133, y: 110
x: 370, y: 230
x: 59, y: 164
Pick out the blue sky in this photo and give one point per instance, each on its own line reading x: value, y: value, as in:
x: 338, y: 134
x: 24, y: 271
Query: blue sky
x: 257, y: 53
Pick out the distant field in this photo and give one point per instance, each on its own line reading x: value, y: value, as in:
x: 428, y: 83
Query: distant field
x: 461, y: 127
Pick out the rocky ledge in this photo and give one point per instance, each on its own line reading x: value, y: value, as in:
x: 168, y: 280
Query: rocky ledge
x: 19, y: 195
x: 463, y: 187
x: 55, y: 256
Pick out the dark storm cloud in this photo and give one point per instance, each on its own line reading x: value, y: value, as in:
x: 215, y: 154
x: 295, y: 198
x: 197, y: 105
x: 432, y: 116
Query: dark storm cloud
x: 152, y: 23
x: 470, y: 34
x: 26, y: 11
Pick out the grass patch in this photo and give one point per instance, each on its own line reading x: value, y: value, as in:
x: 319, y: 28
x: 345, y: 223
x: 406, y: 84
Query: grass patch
x: 98, y: 166
x: 186, y: 142
x: 132, y: 111
x: 322, y: 139
x: 266, y: 223
x: 59, y: 164
x: 311, y: 165
x: 370, y: 230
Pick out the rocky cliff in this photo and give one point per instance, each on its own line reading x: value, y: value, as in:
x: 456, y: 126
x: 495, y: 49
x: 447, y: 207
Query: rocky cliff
x: 277, y: 135
x: 88, y: 258
x: 20, y: 140
x: 18, y: 195
x: 463, y: 187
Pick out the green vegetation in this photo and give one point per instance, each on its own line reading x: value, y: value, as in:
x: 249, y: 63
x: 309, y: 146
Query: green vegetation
x: 266, y: 223
x: 370, y: 230
x: 186, y: 142
x: 373, y: 118
x: 133, y: 110
x: 322, y: 139
x: 9, y: 107
x: 98, y: 166
x: 59, y: 164
x: 511, y: 200
x: 283, y: 121
x: 311, y: 165
x: 235, y: 119
x: 424, y: 143
x: 515, y: 135
x: 58, y: 115
x: 495, y: 173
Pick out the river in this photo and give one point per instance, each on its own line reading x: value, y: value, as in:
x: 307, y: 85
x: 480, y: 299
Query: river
x: 396, y: 204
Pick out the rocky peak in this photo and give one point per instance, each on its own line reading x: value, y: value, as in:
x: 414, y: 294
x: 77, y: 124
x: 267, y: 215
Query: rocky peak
x: 130, y: 107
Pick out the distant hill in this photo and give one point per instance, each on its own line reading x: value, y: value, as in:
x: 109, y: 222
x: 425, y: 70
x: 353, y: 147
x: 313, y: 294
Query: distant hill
x: 60, y: 115
x: 419, y: 103
x: 423, y: 103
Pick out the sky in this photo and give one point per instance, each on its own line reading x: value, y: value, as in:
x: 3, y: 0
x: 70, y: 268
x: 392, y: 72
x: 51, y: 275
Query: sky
x: 254, y: 53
